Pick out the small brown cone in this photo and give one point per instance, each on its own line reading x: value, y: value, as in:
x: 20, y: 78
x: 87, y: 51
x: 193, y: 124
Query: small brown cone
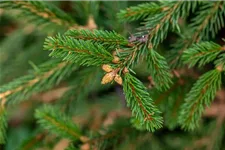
x: 107, y: 68
x: 116, y: 60
x: 118, y: 79
x: 108, y: 77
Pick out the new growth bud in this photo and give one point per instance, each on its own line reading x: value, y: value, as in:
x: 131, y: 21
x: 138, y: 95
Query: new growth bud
x: 107, y: 68
x: 118, y: 79
x: 116, y: 60
x: 108, y: 77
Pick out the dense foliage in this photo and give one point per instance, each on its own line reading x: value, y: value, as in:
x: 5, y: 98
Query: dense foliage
x: 121, y: 75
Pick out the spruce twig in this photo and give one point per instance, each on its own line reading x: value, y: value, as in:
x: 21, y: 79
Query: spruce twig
x: 51, y: 73
x: 104, y: 37
x: 41, y: 13
x: 201, y: 53
x: 3, y: 122
x: 159, y: 70
x: 138, y: 12
x: 141, y: 104
x: 201, y: 95
x: 200, y: 28
x: 77, y: 51
x: 58, y: 123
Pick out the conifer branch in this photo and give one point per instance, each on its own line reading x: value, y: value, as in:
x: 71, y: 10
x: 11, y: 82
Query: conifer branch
x: 3, y: 122
x: 201, y: 53
x: 32, y: 141
x: 179, y: 47
x: 209, y: 20
x: 159, y: 70
x: 100, y: 36
x: 138, y: 12
x: 141, y: 104
x: 49, y: 74
x: 78, y: 51
x: 54, y: 121
x: 220, y: 62
x: 131, y: 56
x: 159, y: 24
x: 40, y: 13
x: 86, y: 47
x: 200, y: 28
x: 201, y: 95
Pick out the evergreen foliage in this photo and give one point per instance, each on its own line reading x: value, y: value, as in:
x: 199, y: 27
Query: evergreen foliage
x: 201, y: 27
x: 138, y: 12
x: 104, y: 37
x: 201, y: 95
x: 40, y: 13
x: 51, y: 119
x: 141, y: 104
x: 3, y: 124
x: 159, y: 24
x: 151, y: 78
x: 77, y: 51
x: 220, y: 62
x: 201, y: 53
x: 209, y: 20
x: 44, y: 77
x: 159, y: 70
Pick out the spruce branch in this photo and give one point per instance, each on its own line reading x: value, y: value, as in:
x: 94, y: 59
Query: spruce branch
x: 32, y: 141
x: 220, y: 62
x: 3, y: 123
x: 78, y: 51
x: 175, y: 56
x: 201, y: 95
x: 55, y: 122
x: 201, y: 53
x: 129, y: 57
x: 201, y: 28
x: 138, y: 12
x: 48, y: 75
x: 40, y: 13
x: 141, y: 104
x: 159, y: 24
x: 209, y: 20
x: 100, y: 36
x: 159, y: 70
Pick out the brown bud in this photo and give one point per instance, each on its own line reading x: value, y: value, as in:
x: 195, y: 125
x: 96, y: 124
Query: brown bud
x: 118, y: 79
x: 220, y: 68
x: 85, y: 146
x: 125, y: 70
x: 116, y: 60
x: 107, y: 68
x: 108, y: 77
